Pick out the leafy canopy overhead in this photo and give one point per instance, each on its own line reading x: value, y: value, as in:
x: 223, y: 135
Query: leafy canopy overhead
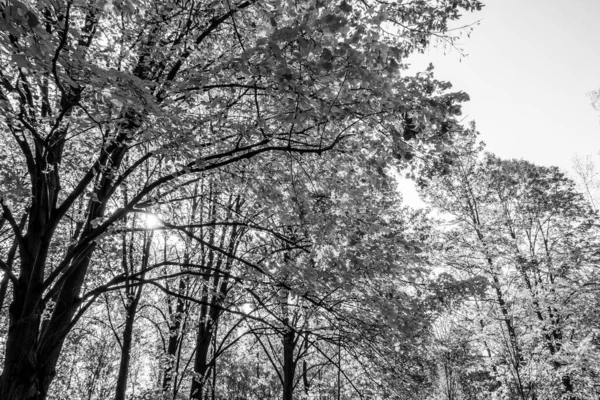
x: 114, y: 108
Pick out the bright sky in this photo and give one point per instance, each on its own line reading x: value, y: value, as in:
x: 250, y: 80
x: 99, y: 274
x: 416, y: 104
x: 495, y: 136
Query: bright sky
x: 529, y: 67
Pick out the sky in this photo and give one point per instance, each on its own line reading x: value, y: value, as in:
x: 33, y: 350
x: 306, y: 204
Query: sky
x: 528, y: 69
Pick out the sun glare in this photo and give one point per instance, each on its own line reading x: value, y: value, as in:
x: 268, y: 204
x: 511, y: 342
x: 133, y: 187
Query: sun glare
x: 151, y: 221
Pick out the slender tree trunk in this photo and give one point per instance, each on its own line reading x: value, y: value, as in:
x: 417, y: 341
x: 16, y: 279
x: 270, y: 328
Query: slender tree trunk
x: 10, y: 258
x: 289, y: 345
x: 214, y: 369
x: 3, y: 290
x: 123, y: 375
x: 304, y: 363
x: 134, y: 293
x: 305, y: 377
x: 339, y: 368
x: 173, y: 344
x: 210, y: 313
x: 204, y: 332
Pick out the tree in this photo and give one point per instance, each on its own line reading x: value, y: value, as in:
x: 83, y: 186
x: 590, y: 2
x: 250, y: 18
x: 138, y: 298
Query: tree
x: 586, y: 176
x: 595, y: 98
x: 527, y: 231
x: 95, y: 94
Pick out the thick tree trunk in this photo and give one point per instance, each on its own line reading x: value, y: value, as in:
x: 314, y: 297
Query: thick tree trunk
x: 33, y: 348
x: 21, y: 376
x: 289, y: 366
x: 33, y: 345
x: 24, y: 375
x: 200, y: 362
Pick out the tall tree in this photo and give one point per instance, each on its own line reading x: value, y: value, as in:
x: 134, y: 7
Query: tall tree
x: 93, y: 93
x: 531, y: 235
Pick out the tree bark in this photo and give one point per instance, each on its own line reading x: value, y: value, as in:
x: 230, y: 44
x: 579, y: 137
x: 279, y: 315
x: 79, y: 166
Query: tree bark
x: 25, y: 375
x: 134, y: 293
x: 211, y: 309
x: 123, y: 375
x: 10, y: 258
x: 173, y: 344
x: 289, y: 366
x: 203, y: 339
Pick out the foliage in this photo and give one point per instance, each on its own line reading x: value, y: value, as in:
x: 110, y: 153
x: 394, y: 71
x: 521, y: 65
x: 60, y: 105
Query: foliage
x: 173, y: 161
x: 532, y: 236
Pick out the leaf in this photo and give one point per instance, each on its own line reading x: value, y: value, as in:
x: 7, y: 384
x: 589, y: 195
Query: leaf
x: 326, y: 54
x: 20, y: 60
x: 325, y: 66
x: 32, y: 19
x: 345, y: 7
x: 275, y: 49
x: 285, y: 34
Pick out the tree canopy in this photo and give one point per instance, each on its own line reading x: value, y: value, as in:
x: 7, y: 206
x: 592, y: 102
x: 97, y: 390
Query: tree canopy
x: 199, y: 199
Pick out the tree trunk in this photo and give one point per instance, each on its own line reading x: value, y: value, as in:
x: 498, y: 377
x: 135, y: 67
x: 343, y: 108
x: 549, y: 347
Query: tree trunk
x: 173, y: 344
x: 33, y: 346
x: 568, y: 385
x: 10, y: 258
x: 305, y: 377
x: 123, y: 375
x: 305, y: 380
x: 134, y: 294
x: 289, y: 366
x: 200, y: 362
x: 211, y: 312
x: 214, y: 370
x: 25, y: 376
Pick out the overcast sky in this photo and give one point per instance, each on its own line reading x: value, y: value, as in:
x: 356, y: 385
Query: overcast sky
x: 529, y: 67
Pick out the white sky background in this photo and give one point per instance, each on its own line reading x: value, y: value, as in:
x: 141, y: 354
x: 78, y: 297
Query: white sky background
x: 528, y: 68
